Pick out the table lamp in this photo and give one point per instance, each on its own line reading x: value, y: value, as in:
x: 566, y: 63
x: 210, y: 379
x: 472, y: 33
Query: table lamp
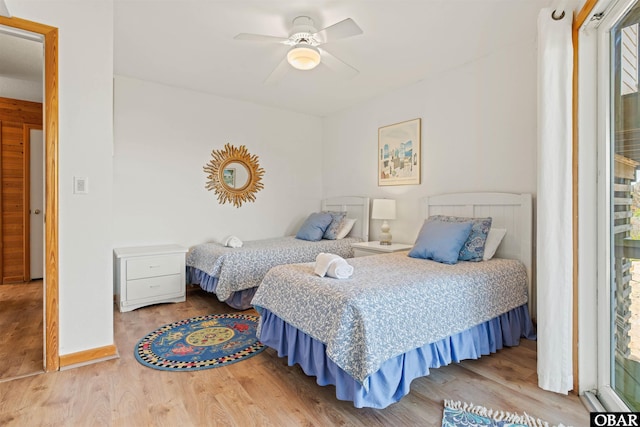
x: 384, y: 209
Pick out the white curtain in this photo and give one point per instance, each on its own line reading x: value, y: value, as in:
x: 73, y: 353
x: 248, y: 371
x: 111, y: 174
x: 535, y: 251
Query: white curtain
x: 554, y: 201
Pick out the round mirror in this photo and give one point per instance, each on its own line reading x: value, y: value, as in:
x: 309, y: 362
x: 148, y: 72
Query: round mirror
x: 234, y: 175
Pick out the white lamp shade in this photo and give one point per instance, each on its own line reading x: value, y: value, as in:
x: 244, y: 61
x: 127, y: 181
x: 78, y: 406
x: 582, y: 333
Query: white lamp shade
x: 383, y: 209
x: 303, y: 57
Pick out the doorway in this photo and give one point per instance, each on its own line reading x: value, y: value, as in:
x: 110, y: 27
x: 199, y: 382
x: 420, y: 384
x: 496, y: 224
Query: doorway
x: 21, y: 298
x: 51, y: 309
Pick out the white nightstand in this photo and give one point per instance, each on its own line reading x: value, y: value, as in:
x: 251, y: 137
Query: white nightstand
x: 148, y: 275
x: 373, y: 248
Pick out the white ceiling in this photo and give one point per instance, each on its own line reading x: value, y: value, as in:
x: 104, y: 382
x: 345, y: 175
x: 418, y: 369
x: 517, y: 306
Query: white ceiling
x: 189, y: 44
x: 20, y: 58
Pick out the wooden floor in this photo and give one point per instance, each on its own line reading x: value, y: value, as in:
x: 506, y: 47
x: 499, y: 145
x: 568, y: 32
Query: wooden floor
x: 21, y: 315
x: 261, y: 391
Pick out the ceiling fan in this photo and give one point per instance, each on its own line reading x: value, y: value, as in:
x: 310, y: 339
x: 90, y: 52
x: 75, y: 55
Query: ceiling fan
x: 304, y: 41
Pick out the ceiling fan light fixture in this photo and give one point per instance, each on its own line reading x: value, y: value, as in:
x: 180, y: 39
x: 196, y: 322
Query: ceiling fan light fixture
x: 303, y: 57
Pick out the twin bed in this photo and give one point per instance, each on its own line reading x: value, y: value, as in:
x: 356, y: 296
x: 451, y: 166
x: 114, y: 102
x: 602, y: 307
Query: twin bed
x: 234, y: 274
x: 399, y: 316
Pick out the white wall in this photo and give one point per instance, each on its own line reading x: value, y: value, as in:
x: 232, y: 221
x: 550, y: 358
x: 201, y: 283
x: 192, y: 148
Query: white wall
x: 25, y: 90
x: 85, y: 66
x: 478, y: 134
x: 164, y: 137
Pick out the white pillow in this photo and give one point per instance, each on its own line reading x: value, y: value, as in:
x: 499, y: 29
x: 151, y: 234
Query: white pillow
x: 494, y: 238
x: 345, y: 228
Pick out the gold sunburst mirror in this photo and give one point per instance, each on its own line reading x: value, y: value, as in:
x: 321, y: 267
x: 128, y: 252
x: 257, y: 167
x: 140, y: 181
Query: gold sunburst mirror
x: 234, y: 175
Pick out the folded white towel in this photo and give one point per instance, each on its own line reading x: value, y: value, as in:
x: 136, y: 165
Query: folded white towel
x: 233, y: 242
x: 340, y: 269
x: 323, y: 261
x: 333, y: 266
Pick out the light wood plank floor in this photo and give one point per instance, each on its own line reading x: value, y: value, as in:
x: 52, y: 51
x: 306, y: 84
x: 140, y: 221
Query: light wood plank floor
x: 21, y: 316
x: 261, y: 391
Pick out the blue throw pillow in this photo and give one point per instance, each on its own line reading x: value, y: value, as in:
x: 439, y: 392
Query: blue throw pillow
x: 314, y: 227
x: 473, y: 248
x: 337, y: 219
x: 441, y: 241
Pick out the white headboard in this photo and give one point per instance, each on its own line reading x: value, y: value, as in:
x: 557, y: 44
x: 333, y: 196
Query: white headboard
x: 356, y: 207
x: 507, y: 210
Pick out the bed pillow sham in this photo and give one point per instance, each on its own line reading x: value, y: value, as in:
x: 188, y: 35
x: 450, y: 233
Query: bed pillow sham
x: 314, y: 227
x: 441, y: 241
x: 345, y: 228
x: 336, y: 222
x: 473, y: 248
x: 494, y: 238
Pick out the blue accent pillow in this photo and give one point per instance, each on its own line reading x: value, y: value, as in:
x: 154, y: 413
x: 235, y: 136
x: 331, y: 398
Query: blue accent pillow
x: 473, y: 248
x: 314, y: 227
x: 441, y: 241
x: 337, y: 219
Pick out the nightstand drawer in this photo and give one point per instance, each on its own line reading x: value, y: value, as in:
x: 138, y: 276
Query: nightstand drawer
x: 155, y: 266
x: 154, y: 287
x: 146, y: 275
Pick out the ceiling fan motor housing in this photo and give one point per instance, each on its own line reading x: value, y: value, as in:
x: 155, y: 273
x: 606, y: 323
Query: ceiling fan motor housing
x: 303, y: 31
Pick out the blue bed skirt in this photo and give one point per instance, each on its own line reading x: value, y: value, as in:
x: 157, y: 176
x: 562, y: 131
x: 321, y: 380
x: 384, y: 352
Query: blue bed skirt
x: 239, y: 300
x: 393, y: 380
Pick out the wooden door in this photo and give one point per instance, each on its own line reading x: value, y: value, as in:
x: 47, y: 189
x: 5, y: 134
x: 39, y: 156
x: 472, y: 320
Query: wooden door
x: 15, y: 117
x: 34, y: 173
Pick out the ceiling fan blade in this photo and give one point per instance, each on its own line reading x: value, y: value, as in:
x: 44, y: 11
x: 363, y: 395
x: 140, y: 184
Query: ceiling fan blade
x: 339, y: 66
x: 340, y: 30
x: 278, y: 72
x: 260, y: 38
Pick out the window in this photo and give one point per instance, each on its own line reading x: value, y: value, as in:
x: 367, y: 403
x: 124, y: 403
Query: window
x: 609, y: 142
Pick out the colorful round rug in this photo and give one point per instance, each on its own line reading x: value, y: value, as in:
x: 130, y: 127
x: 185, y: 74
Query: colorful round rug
x: 201, y: 342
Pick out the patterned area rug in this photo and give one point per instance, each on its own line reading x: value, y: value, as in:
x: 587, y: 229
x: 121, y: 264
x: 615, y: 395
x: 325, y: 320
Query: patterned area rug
x: 201, y: 342
x: 458, y: 414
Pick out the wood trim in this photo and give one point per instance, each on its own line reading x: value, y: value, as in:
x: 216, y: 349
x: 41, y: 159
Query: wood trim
x: 51, y: 315
x: 580, y: 18
x: 88, y: 356
x: 52, y: 361
x: 578, y: 21
x: 26, y: 202
x: 1, y: 243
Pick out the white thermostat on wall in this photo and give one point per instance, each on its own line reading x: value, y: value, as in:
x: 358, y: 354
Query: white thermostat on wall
x: 80, y: 185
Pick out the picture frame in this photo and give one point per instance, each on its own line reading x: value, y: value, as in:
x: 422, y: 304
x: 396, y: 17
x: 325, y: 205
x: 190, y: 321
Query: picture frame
x: 399, y: 153
x: 229, y: 177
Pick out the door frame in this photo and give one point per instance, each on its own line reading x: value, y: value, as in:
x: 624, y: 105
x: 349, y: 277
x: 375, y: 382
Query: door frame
x: 51, y: 272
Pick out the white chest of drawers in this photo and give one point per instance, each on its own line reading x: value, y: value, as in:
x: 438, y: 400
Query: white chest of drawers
x: 148, y: 275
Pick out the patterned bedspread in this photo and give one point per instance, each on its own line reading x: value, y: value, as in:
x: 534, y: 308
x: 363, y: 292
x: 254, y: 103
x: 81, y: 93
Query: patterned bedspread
x: 243, y: 268
x: 391, y: 304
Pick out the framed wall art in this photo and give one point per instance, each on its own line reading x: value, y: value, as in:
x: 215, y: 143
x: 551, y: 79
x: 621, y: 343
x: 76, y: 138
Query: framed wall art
x: 399, y: 153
